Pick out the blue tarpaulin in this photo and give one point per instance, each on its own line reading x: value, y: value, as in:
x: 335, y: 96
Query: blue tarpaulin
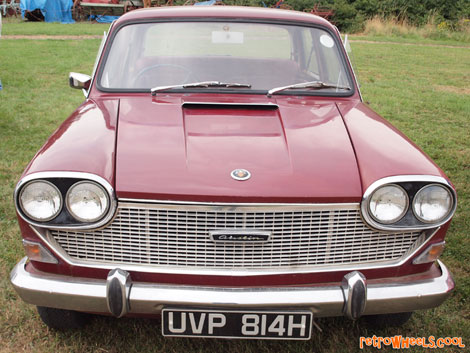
x: 205, y: 3
x: 53, y: 10
x: 103, y: 18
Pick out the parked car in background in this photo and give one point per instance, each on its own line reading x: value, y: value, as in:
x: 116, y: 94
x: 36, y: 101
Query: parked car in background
x: 223, y: 172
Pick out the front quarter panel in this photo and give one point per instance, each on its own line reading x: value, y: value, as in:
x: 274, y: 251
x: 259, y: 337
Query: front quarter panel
x: 382, y: 150
x: 85, y: 142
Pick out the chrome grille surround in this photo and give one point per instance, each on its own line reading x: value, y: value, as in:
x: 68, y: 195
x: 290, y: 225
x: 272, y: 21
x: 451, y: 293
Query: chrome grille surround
x: 174, y: 238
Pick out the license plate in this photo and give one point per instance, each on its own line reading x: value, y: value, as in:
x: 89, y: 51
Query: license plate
x: 285, y: 325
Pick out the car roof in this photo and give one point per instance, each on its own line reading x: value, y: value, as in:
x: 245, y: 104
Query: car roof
x: 233, y: 12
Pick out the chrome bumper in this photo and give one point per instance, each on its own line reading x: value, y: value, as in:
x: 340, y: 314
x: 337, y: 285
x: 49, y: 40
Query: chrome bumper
x: 118, y: 295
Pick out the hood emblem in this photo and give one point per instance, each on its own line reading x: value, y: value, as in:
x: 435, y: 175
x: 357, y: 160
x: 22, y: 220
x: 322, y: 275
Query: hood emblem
x: 240, y: 174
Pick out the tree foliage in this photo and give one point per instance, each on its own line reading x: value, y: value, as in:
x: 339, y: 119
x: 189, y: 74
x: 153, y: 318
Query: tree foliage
x: 349, y: 15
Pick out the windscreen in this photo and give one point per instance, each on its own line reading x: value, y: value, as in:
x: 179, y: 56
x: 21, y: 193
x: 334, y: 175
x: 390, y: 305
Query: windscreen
x: 261, y: 55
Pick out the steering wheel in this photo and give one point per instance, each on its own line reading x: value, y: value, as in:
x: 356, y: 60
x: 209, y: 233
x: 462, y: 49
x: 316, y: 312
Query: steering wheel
x: 183, y: 69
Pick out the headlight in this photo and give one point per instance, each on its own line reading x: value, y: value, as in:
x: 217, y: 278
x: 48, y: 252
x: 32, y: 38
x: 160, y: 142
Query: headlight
x: 87, y: 201
x: 40, y: 200
x: 432, y: 203
x: 388, y: 204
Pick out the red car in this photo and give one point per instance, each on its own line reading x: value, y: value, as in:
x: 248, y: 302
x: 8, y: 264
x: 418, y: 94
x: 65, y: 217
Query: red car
x: 225, y: 173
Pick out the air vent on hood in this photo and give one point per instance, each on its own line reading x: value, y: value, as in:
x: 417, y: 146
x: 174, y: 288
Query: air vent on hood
x: 227, y: 105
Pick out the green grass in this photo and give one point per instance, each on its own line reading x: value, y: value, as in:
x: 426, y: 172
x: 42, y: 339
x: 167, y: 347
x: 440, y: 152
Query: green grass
x: 410, y: 39
x: 422, y: 90
x: 17, y: 26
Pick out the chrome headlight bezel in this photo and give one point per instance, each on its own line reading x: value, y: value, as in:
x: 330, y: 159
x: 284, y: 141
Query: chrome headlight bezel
x: 63, y: 181
x: 28, y: 214
x: 412, y: 184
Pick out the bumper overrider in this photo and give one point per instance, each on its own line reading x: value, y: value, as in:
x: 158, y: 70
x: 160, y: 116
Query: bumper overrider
x: 119, y: 295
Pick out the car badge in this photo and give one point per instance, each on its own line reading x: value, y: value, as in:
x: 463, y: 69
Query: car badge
x: 240, y: 235
x: 240, y: 174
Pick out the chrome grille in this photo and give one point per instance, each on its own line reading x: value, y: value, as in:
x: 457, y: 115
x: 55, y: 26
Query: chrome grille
x: 169, y: 235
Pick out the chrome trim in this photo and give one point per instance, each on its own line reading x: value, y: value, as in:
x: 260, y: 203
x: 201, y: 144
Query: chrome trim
x: 351, y: 66
x: 97, y: 59
x: 118, y: 286
x: 54, y: 187
x: 405, y: 179
x: 245, y: 206
x: 75, y: 175
x: 79, y: 81
x: 419, y: 191
x: 89, y: 295
x: 404, y: 211
x: 354, y: 287
x: 47, y: 238
x: 247, y: 174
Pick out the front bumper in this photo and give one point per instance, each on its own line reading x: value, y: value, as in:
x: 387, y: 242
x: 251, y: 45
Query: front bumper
x: 119, y: 295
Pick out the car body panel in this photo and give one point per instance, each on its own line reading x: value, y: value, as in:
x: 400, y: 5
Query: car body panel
x: 84, y: 142
x: 234, y: 12
x: 188, y: 152
x: 381, y: 149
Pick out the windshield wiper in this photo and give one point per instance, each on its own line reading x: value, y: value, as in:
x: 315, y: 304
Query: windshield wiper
x: 312, y: 85
x: 203, y: 84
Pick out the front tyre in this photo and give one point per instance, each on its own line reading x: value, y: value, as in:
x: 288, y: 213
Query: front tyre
x: 60, y: 319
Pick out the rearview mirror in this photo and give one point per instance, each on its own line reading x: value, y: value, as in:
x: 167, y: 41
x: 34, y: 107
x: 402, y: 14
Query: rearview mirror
x: 79, y: 81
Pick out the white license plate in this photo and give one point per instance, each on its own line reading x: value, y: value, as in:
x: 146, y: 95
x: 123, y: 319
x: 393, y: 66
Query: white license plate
x: 284, y: 325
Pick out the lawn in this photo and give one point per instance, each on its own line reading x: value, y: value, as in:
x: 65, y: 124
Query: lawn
x: 17, y: 26
x: 408, y: 40
x: 423, y: 90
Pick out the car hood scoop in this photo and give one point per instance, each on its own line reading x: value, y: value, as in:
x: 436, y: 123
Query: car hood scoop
x: 176, y: 150
x: 229, y: 105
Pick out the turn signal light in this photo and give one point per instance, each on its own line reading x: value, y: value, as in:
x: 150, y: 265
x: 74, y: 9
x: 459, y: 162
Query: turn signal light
x: 431, y: 254
x: 37, y: 252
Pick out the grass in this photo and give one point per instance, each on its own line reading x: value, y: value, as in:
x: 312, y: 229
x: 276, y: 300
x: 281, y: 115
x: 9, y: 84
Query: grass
x: 422, y: 90
x: 17, y: 26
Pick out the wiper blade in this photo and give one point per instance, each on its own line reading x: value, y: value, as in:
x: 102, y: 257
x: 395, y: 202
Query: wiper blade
x: 311, y: 84
x: 186, y: 85
x: 203, y: 84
